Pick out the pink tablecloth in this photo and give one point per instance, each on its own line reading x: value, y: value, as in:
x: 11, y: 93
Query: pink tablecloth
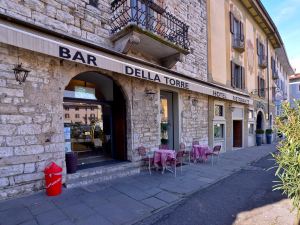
x: 161, y: 156
x: 199, y: 152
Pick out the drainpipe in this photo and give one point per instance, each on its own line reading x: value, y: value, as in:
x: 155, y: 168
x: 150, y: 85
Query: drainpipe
x: 268, y: 75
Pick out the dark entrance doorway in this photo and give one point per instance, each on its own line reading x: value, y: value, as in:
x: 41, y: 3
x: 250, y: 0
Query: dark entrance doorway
x: 95, y: 120
x: 237, y: 133
x: 259, y: 121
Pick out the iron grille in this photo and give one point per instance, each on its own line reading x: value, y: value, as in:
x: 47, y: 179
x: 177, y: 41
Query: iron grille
x: 151, y: 17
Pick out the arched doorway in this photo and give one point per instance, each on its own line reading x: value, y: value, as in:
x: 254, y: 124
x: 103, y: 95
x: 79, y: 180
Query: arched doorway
x: 259, y: 121
x: 95, y: 120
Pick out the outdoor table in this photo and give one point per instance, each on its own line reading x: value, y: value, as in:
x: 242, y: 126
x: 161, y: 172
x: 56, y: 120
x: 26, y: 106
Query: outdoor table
x: 161, y: 156
x: 199, y: 152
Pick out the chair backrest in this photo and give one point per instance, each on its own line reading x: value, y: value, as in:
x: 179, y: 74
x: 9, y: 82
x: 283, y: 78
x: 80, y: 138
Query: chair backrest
x: 180, y: 154
x: 217, y: 148
x: 163, y: 146
x: 142, y: 151
x: 195, y: 142
x: 181, y: 147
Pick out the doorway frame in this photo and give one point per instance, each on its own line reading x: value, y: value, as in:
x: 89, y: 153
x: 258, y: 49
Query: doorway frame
x: 116, y: 83
x: 175, y: 115
x: 242, y: 118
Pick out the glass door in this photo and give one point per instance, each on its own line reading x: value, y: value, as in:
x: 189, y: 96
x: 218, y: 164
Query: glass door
x: 167, y: 119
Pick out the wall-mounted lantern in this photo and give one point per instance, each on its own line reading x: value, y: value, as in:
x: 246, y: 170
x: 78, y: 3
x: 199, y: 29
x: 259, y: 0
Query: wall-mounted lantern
x: 194, y: 101
x: 20, y: 73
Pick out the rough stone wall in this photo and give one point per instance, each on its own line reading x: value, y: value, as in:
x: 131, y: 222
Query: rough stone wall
x: 194, y: 118
x: 31, y: 117
x: 31, y: 128
x: 78, y: 19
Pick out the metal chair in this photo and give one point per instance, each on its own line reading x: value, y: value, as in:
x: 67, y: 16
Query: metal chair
x: 146, y: 157
x: 215, y: 152
x: 186, y: 152
x: 178, y: 160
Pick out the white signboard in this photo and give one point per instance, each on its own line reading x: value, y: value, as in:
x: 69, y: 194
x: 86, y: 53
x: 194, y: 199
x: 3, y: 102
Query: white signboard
x: 36, y: 41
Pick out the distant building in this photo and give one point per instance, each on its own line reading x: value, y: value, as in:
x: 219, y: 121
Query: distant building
x: 294, y: 86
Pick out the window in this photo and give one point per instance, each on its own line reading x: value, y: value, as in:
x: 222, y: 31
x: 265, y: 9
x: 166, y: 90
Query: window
x: 219, y: 110
x: 219, y: 131
x: 262, y: 59
x: 299, y: 87
x: 77, y: 116
x: 67, y: 108
x: 93, y: 3
x: 92, y: 116
x: 250, y: 114
x: 77, y: 108
x: 236, y: 28
x: 261, y: 87
x: 237, y: 76
x: 250, y: 128
x: 67, y: 115
x: 92, y: 108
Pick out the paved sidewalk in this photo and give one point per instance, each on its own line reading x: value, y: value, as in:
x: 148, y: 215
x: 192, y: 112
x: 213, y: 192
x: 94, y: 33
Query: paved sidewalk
x: 125, y: 200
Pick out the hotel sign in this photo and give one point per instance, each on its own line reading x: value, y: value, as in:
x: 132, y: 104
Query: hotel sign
x: 32, y: 40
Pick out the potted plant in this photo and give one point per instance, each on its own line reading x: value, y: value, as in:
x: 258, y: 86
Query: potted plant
x: 259, y: 136
x: 269, y: 135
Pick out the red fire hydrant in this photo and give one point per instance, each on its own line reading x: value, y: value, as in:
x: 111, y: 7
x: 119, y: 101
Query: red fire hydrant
x: 53, y: 178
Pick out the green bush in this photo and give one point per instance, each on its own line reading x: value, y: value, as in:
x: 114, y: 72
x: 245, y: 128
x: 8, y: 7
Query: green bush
x: 288, y: 157
x: 259, y: 131
x: 269, y: 131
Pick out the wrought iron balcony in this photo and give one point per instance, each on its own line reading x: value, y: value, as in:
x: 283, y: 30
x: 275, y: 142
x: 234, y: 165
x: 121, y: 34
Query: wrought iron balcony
x: 141, y: 18
x: 238, y: 43
x: 262, y: 61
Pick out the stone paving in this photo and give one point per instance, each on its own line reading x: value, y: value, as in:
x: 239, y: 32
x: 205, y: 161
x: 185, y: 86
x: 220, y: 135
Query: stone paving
x: 126, y: 200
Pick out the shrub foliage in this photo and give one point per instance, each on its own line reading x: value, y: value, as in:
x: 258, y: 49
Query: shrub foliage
x: 288, y: 156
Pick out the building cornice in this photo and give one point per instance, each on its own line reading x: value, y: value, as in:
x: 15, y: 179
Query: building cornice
x: 263, y: 19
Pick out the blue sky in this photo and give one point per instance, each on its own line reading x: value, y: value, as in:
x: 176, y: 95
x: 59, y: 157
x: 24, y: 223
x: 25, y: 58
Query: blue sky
x: 286, y: 15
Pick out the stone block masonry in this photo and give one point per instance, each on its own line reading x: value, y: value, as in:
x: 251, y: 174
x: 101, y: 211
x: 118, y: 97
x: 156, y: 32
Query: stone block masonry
x: 78, y: 19
x: 31, y: 132
x: 31, y: 114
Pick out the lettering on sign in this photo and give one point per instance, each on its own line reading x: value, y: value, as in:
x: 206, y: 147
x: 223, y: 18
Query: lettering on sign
x: 219, y: 94
x: 147, y: 75
x: 77, y: 56
x: 85, y: 58
x: 241, y: 100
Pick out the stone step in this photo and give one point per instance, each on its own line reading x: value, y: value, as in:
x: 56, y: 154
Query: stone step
x: 102, y: 174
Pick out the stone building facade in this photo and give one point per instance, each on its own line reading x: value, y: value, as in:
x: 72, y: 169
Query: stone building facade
x: 63, y: 43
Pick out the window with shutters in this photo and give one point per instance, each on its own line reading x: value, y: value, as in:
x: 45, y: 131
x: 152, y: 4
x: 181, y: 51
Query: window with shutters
x: 261, y: 53
x: 237, y: 76
x: 237, y: 31
x: 261, y: 87
x: 274, y: 70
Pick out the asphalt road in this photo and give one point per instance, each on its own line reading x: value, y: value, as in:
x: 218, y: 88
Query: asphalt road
x: 220, y: 204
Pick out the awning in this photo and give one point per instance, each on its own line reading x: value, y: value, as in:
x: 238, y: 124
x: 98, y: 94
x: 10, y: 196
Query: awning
x: 33, y: 40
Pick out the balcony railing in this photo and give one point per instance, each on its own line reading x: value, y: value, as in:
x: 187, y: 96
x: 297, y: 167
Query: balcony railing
x: 150, y: 17
x: 238, y: 43
x: 262, y: 61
